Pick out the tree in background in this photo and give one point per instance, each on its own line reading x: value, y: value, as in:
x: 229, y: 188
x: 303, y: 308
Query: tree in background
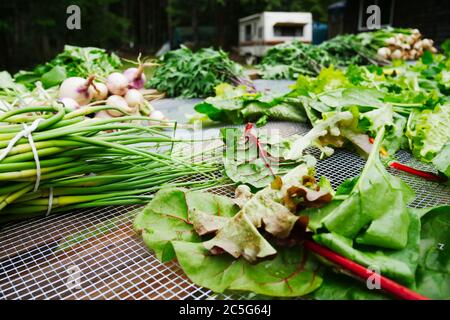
x: 32, y: 32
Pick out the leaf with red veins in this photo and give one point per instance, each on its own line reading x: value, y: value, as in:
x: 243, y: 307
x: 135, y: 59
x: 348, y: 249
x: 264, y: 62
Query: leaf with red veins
x: 171, y: 214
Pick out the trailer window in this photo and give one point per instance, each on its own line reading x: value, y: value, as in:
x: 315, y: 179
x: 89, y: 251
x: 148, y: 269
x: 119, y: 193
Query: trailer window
x: 248, y: 32
x: 288, y: 30
x: 260, y: 32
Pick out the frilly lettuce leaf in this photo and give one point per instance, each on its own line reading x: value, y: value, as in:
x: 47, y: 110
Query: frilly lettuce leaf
x: 428, y: 132
x: 325, y: 132
x: 272, y: 209
x: 442, y: 160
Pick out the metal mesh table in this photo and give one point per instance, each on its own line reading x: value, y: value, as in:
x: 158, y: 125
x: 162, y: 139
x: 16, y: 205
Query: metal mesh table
x: 94, y: 254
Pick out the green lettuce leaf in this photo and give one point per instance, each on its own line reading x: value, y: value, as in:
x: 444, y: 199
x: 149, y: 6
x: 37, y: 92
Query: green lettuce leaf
x: 374, y: 222
x: 325, y: 132
x: 237, y: 105
x: 429, y: 131
x: 396, y: 264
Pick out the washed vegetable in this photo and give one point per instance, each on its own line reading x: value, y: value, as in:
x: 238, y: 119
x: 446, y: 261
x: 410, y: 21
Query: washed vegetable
x: 238, y: 105
x: 81, y: 162
x: 101, y: 91
x: 188, y: 74
x: 72, y: 62
x: 167, y: 229
x: 117, y: 84
x: 78, y: 89
x: 134, y: 98
x: 136, y: 77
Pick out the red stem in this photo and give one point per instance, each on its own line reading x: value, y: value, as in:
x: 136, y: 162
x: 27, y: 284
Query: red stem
x: 420, y: 173
x: 387, y: 285
x: 253, y: 139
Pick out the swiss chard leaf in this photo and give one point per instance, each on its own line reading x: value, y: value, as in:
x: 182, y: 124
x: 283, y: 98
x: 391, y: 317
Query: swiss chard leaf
x: 253, y: 157
x: 396, y: 264
x: 168, y: 218
x: 167, y: 226
x: 337, y: 286
x: 293, y: 272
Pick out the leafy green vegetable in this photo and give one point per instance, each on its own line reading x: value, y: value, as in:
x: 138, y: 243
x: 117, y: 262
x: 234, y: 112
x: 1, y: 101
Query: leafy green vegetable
x: 292, y: 273
x: 168, y: 218
x: 272, y: 209
x: 237, y: 105
x: 337, y: 286
x: 387, y: 223
x: 168, y: 229
x: 396, y: 264
x: 186, y: 74
x: 254, y: 157
x: 72, y: 62
x: 442, y: 160
x: 325, y: 132
x: 429, y: 131
x: 289, y: 60
x: 433, y: 273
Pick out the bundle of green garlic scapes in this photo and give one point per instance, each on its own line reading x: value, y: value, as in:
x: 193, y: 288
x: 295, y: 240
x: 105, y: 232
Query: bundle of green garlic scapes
x: 68, y: 161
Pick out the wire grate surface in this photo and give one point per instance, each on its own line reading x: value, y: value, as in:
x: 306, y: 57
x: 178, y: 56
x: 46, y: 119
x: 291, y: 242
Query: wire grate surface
x: 43, y: 258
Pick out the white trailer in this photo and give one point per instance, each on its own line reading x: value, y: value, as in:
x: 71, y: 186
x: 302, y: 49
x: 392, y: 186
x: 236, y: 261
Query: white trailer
x: 259, y: 32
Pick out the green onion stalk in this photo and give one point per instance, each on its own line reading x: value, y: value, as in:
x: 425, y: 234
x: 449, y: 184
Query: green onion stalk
x: 89, y: 162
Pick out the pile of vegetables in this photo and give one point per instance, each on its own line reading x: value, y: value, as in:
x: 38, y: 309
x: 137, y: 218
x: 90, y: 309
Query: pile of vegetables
x: 255, y: 242
x: 187, y: 74
x: 410, y: 101
x: 72, y: 62
x: 404, y: 44
x: 288, y: 61
x: 79, y: 78
x: 69, y: 161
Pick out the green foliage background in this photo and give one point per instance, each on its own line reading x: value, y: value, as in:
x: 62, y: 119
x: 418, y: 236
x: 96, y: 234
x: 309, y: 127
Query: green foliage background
x: 32, y: 32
